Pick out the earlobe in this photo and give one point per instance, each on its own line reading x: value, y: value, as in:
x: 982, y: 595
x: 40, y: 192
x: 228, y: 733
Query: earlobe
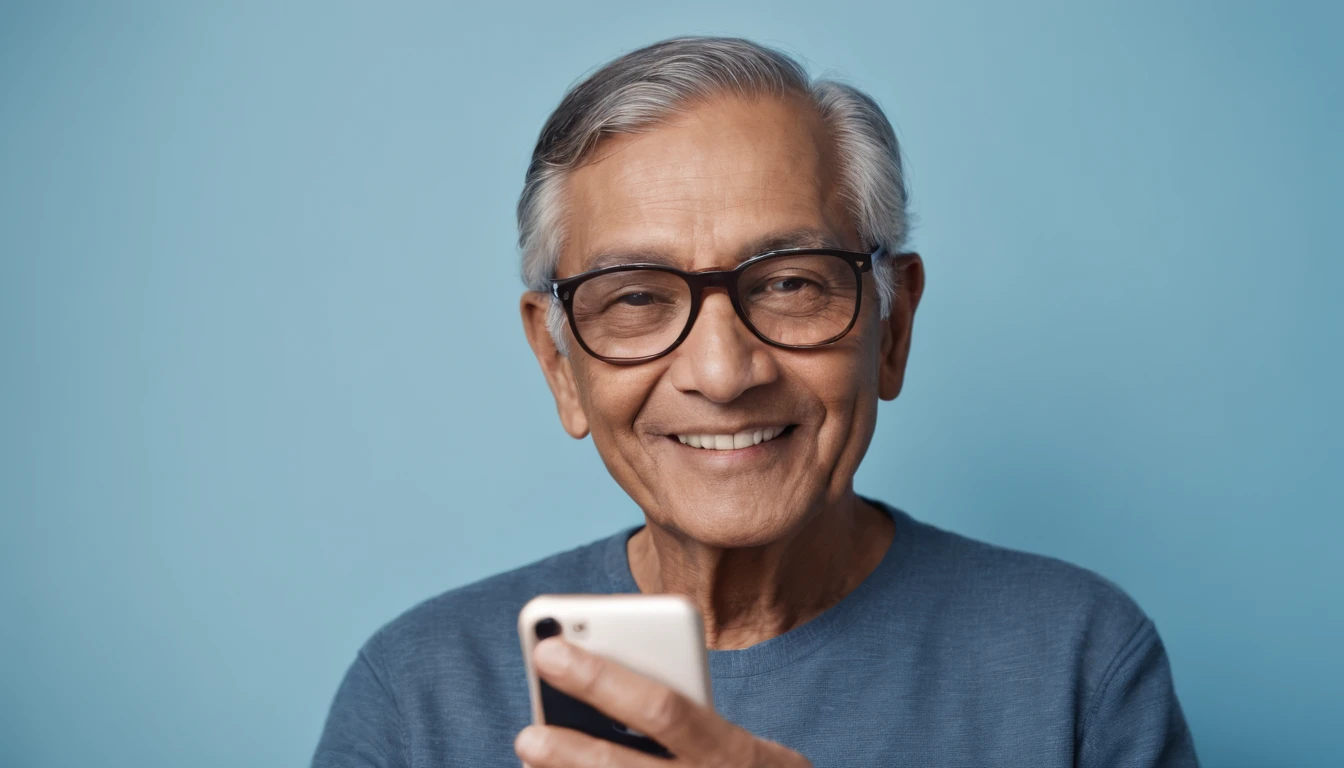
x: 574, y: 420
x: 556, y: 367
x: 909, y: 276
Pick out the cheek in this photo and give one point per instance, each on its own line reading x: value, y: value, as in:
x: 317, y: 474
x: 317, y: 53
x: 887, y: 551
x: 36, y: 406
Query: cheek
x: 865, y: 366
x: 849, y: 399
x: 863, y: 399
x: 613, y: 397
x: 846, y: 383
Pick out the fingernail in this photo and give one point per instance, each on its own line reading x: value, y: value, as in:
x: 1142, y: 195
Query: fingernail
x: 553, y: 655
x: 528, y: 743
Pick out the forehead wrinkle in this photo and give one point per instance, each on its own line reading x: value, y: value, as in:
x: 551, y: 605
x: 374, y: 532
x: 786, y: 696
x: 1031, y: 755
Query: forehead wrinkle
x: 649, y: 189
x: 701, y: 158
x: 744, y: 203
x: 798, y: 237
x: 697, y: 205
x: 652, y: 191
x: 629, y: 183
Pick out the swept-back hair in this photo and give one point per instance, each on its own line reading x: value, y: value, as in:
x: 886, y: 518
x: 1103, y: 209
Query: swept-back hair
x: 644, y: 88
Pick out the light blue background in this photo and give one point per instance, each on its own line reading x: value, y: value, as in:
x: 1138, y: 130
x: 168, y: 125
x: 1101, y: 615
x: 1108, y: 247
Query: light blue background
x: 264, y: 384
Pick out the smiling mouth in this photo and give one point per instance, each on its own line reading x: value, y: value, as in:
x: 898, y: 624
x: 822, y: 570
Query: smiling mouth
x: 744, y: 439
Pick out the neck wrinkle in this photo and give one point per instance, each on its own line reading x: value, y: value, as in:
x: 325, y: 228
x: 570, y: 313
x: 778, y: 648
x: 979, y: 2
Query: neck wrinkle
x: 749, y: 595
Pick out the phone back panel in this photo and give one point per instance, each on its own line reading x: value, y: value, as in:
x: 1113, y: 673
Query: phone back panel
x: 658, y: 636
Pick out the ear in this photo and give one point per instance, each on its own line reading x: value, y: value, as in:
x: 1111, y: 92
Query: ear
x: 908, y: 273
x: 557, y: 367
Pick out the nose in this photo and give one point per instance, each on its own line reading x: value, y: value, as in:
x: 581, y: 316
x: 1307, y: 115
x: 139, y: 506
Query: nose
x: 721, y: 358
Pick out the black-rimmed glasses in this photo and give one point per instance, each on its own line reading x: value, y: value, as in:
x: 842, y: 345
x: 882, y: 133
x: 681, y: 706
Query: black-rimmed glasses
x: 795, y: 298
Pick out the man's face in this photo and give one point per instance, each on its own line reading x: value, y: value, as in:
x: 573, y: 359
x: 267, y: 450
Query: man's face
x: 719, y: 184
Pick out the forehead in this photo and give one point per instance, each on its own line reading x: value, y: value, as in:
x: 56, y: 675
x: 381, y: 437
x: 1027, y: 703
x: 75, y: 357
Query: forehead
x: 700, y: 189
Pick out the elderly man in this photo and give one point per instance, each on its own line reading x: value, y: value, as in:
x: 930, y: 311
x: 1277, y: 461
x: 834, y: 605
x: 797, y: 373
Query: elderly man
x: 718, y: 295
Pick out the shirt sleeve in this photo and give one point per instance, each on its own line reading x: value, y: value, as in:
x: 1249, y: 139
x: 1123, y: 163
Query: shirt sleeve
x: 1135, y: 720
x: 364, y: 728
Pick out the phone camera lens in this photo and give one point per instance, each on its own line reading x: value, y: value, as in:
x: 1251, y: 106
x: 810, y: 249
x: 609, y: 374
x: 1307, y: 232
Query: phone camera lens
x: 547, y: 628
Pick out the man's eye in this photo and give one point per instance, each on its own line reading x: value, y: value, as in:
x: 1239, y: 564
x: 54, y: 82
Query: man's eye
x: 781, y: 286
x: 636, y: 299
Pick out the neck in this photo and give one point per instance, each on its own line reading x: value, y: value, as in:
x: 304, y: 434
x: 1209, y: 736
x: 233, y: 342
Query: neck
x: 749, y: 595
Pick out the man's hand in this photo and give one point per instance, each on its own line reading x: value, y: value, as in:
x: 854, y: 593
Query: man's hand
x: 695, y: 734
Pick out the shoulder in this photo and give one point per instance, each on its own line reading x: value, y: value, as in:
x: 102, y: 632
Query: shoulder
x: 478, y: 620
x: 1010, y: 593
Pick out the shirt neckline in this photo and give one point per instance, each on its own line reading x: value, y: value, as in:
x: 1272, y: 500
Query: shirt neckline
x: 803, y: 640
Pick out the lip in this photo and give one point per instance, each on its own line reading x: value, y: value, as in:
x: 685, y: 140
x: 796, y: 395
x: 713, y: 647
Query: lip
x: 734, y: 454
x: 722, y: 430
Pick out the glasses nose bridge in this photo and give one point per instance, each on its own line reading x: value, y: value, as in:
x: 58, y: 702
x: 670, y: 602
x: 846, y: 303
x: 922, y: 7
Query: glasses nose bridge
x: 702, y: 281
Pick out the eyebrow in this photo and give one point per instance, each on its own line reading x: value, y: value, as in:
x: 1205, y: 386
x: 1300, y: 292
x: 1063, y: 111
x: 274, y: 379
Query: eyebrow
x: 802, y: 237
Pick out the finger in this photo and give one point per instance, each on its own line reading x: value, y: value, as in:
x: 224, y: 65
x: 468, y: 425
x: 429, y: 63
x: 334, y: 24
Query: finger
x: 544, y: 746
x: 684, y: 727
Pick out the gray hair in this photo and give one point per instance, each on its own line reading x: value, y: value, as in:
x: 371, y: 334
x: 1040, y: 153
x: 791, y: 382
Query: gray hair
x: 644, y: 88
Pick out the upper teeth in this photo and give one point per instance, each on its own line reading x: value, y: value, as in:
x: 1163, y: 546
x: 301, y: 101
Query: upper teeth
x: 731, y: 442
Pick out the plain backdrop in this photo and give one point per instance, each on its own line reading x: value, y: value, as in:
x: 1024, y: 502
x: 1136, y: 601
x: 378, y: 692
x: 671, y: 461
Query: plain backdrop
x: 264, y: 385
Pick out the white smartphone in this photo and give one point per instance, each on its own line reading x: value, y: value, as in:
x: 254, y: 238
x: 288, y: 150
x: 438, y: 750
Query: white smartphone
x: 658, y: 636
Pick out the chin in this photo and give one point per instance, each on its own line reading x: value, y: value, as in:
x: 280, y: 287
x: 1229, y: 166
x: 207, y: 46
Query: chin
x: 727, y: 524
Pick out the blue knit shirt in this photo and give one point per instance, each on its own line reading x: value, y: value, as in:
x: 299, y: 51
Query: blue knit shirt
x: 951, y: 653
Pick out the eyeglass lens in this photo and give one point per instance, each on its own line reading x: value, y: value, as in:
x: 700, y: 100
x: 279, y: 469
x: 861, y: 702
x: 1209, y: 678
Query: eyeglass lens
x: 795, y: 300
